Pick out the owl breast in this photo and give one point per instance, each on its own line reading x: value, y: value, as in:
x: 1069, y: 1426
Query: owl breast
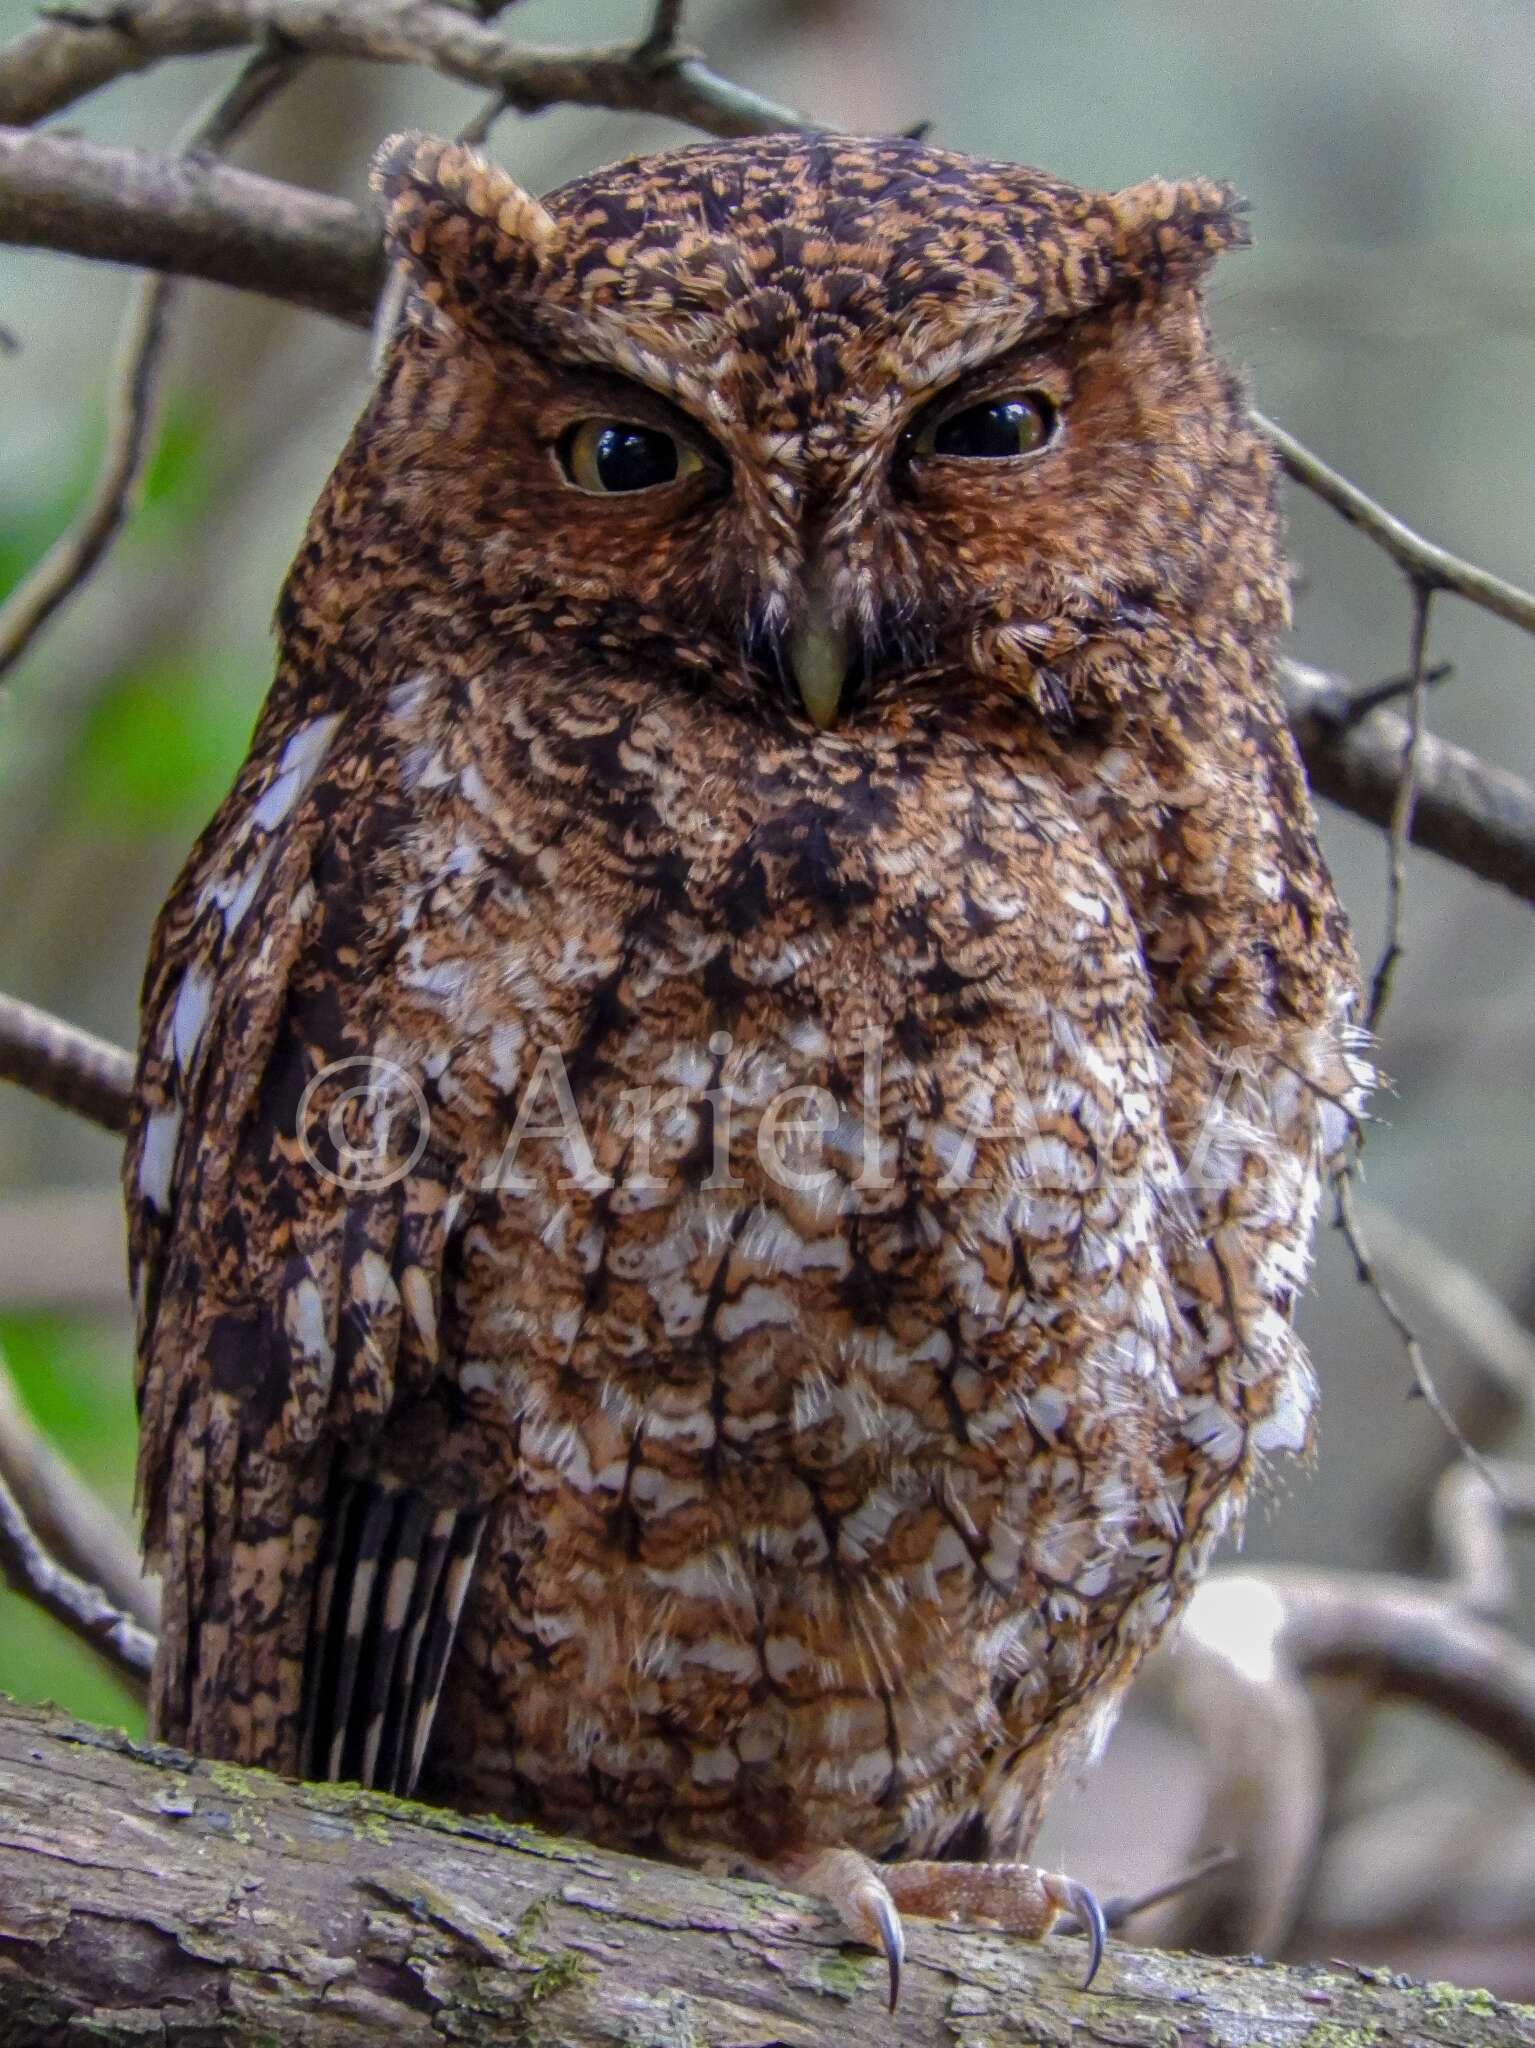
x: 812, y: 1193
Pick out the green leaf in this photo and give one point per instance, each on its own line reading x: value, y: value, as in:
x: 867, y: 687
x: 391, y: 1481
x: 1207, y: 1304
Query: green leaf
x: 160, y: 748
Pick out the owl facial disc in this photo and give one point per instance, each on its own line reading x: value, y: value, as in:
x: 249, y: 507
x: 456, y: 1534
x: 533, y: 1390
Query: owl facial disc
x: 818, y: 657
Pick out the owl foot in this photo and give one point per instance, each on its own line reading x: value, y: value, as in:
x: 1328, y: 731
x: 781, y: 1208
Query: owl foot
x: 870, y: 1897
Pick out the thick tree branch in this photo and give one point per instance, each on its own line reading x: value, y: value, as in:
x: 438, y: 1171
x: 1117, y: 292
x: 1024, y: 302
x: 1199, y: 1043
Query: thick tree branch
x: 317, y: 1915
x: 200, y: 219
x: 1238, y: 1673
x: 83, y: 48
x: 1469, y: 812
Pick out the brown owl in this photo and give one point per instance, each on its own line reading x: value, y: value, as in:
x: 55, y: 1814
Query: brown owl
x: 731, y: 1109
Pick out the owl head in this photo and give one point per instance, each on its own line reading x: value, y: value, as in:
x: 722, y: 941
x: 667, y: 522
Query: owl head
x: 857, y: 422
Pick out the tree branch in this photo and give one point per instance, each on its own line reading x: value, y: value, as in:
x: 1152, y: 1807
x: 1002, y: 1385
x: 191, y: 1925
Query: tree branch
x: 123, y: 1645
x: 83, y: 48
x: 1403, y: 803
x: 68, y: 1519
x: 1431, y: 568
x: 163, y: 212
x: 322, y: 1915
x: 65, y: 1065
x: 1469, y: 812
x: 1346, y: 1219
x: 133, y: 410
x: 1238, y: 1670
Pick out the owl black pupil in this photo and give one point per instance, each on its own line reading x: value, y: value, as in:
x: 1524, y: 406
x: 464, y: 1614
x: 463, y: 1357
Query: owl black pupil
x: 634, y: 458
x: 1011, y: 426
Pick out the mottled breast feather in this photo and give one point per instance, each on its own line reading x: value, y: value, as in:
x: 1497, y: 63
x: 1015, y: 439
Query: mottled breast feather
x: 711, y: 1282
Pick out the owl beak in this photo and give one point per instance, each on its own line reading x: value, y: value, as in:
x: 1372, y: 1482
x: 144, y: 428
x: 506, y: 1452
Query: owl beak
x: 818, y: 656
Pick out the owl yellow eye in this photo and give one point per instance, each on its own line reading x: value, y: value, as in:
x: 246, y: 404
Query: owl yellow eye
x: 606, y: 457
x: 990, y: 432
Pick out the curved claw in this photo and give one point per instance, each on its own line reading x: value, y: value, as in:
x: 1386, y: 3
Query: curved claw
x: 1090, y: 1914
x: 892, y: 1939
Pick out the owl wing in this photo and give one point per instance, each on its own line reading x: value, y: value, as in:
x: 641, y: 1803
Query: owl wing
x: 296, y: 1469
x: 1272, y: 1130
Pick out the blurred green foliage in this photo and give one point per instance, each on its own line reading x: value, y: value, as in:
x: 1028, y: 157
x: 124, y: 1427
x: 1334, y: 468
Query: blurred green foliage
x: 152, y: 752
x: 156, y: 751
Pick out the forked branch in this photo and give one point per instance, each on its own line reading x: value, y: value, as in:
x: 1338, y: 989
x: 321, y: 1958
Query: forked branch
x: 123, y: 1644
x: 85, y: 48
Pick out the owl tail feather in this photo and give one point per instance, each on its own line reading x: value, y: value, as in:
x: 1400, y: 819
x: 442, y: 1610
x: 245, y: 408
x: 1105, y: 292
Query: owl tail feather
x: 393, y: 1575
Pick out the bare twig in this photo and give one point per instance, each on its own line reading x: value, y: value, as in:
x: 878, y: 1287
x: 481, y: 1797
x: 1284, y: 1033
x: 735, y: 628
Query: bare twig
x: 1461, y: 1303
x: 1402, y: 807
x: 133, y: 412
x: 1431, y: 568
x: 1116, y: 1911
x: 132, y: 420
x: 1470, y: 1521
x: 665, y: 28
x: 123, y: 1645
x: 65, y: 1065
x: 65, y: 59
x: 70, y: 1520
x: 1347, y: 1219
x: 477, y: 129
x: 1372, y: 696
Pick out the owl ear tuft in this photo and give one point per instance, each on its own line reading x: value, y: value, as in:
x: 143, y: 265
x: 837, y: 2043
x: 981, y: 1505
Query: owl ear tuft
x: 1174, y: 231
x: 471, y: 239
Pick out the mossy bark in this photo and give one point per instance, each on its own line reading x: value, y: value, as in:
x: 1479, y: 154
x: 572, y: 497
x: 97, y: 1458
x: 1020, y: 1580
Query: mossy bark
x: 148, y: 1897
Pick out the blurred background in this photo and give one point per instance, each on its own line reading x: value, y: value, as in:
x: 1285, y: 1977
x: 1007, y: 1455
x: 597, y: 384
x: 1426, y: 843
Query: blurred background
x: 1386, y: 316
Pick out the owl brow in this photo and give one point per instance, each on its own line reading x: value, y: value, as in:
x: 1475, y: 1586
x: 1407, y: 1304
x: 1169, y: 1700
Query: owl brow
x: 997, y: 333
x: 1033, y: 357
x: 617, y: 344
x: 626, y: 398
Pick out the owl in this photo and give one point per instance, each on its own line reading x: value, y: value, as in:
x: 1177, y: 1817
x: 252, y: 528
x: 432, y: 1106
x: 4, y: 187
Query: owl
x: 731, y: 1109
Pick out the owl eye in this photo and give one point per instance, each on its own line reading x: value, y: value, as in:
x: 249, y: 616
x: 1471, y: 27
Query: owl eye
x: 990, y: 432
x: 606, y: 457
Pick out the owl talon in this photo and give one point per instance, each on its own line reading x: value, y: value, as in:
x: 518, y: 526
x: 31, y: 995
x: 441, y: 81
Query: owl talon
x: 870, y: 1898
x: 892, y: 1939
x: 857, y: 1890
x: 1089, y: 1914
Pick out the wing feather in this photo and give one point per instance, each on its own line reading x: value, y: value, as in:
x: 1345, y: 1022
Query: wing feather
x: 291, y: 1317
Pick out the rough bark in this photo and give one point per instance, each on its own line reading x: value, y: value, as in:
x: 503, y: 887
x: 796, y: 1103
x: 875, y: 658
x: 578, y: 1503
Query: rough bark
x: 145, y: 1896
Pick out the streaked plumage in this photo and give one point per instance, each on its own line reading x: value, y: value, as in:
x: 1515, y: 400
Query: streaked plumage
x: 785, y: 1516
